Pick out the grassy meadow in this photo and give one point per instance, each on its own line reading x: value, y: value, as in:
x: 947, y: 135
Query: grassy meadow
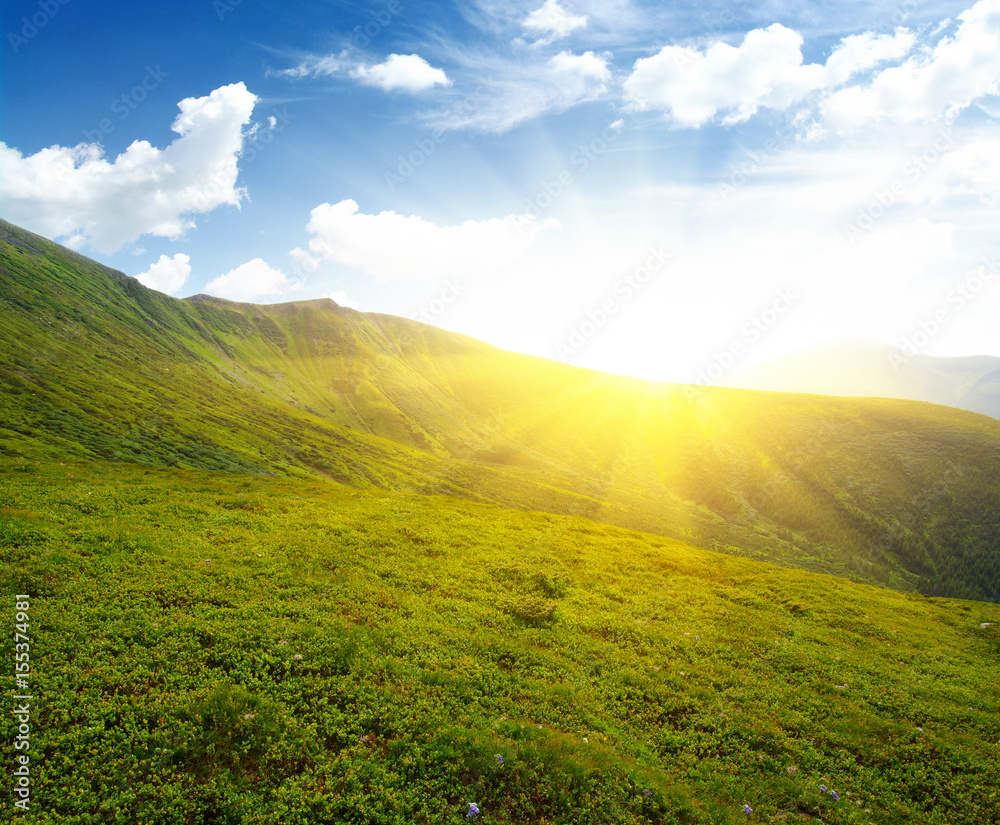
x: 298, y: 564
x: 213, y: 648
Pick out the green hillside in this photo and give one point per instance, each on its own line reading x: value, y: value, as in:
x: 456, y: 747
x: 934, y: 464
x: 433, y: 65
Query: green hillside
x: 94, y: 365
x: 297, y: 564
x: 209, y: 648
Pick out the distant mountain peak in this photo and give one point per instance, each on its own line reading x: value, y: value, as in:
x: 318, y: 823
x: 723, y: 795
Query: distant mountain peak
x: 865, y: 367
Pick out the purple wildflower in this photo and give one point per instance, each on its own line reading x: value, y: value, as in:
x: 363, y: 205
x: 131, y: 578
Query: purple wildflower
x: 747, y: 810
x: 835, y: 797
x: 473, y: 810
x: 499, y: 759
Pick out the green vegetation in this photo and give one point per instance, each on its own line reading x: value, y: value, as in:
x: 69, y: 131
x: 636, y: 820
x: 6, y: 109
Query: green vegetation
x: 299, y: 564
x: 94, y: 365
x: 214, y: 649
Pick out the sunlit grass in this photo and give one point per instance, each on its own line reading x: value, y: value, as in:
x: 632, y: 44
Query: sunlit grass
x: 211, y: 648
x: 93, y: 365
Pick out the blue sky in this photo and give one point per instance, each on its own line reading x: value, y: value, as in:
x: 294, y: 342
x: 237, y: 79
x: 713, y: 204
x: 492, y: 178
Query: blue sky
x: 664, y: 190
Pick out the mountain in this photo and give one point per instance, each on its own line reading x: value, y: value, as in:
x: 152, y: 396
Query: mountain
x: 95, y: 365
x: 298, y: 564
x: 869, y: 368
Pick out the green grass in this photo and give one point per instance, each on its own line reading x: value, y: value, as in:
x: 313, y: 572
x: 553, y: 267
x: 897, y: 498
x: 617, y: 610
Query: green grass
x: 298, y: 564
x: 209, y: 648
x: 95, y: 366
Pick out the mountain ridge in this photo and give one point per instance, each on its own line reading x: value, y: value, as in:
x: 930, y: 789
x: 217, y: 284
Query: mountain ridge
x: 863, y: 367
x: 296, y: 565
x: 96, y: 365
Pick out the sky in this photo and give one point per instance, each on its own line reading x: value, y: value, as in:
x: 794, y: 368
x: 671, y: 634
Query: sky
x: 673, y: 191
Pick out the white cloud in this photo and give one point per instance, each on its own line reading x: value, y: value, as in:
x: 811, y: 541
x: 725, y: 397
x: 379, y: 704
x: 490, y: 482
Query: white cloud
x: 973, y: 170
x: 519, y: 91
x: 765, y: 70
x: 341, y: 299
x: 327, y: 64
x: 552, y: 22
x: 391, y: 246
x: 582, y: 75
x: 398, y: 72
x: 860, y: 52
x: 950, y: 171
x: 943, y: 80
x: 167, y: 274
x: 250, y: 282
x: 75, y: 191
x: 406, y: 72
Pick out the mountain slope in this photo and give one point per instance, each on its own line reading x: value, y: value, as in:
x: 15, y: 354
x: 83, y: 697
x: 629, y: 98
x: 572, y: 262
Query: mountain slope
x: 868, y: 368
x: 96, y: 366
x: 210, y: 648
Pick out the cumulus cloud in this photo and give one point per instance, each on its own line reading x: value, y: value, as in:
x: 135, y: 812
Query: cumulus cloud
x: 582, y: 75
x: 693, y: 85
x: 765, y: 70
x: 250, y: 282
x: 552, y: 22
x: 860, y: 52
x: 406, y: 72
x: 941, y: 81
x: 77, y: 193
x: 390, y: 246
x: 167, y: 274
